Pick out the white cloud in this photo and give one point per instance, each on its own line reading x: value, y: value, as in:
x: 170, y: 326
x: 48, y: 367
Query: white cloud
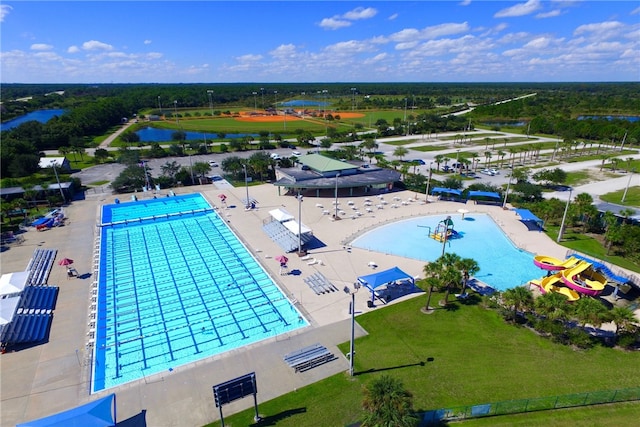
x: 348, y: 47
x: 333, y: 23
x: 96, y: 45
x: 635, y: 11
x: 465, y: 2
x: 360, y: 13
x: 393, y: 17
x: 600, y: 30
x: 41, y: 46
x: 249, y: 58
x: 520, y: 9
x: 538, y: 43
x: 378, y: 58
x: 147, y: 41
x: 550, y: 14
x: 412, y: 35
x: 5, y: 9
x: 73, y: 49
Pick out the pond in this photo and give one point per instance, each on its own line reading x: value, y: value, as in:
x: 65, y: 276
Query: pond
x: 150, y: 134
x: 610, y: 118
x: 41, y: 116
x: 304, y: 103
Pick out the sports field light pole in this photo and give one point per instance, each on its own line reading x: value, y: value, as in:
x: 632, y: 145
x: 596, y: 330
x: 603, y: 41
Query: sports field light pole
x: 428, y: 182
x: 262, y: 94
x: 53, y: 163
x: 299, y: 223
x: 210, y: 93
x: 159, y: 105
x: 353, y: 98
x: 175, y: 110
x: 564, y: 217
x: 275, y: 100
x: 352, y: 311
x: 624, y: 195
x: 255, y: 103
x: 246, y: 185
x: 335, y: 202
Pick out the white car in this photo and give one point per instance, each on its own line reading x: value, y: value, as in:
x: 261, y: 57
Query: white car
x: 213, y: 163
x: 494, y: 171
x: 487, y: 172
x: 296, y: 153
x: 275, y: 156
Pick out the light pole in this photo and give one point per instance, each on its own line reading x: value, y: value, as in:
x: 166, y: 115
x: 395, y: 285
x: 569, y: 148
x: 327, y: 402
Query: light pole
x: 210, y: 93
x: 299, y: 223
x: 624, y: 195
x: 275, y: 100
x: 175, y: 110
x: 506, y: 194
x: 353, y: 98
x: 564, y: 217
x: 53, y: 163
x: 335, y: 202
x: 262, y: 93
x: 303, y: 95
x: 159, y: 105
x: 458, y: 162
x: 352, y: 311
x: 191, y: 168
x: 246, y: 185
x: 428, y: 182
x: 255, y: 103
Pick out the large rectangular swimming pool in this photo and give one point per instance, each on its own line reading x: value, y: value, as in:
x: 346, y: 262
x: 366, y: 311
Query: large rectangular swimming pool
x: 176, y: 285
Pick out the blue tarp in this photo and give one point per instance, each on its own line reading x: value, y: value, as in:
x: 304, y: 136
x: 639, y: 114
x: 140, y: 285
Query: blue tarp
x: 436, y: 190
x: 489, y: 194
x: 95, y: 414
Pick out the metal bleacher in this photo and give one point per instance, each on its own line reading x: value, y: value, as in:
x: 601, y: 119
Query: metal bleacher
x: 27, y: 327
x: 40, y: 266
x: 283, y: 237
x: 38, y: 298
x: 320, y: 284
x: 309, y: 357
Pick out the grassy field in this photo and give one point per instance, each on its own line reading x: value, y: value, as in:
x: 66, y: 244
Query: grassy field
x: 632, y: 198
x: 460, y: 356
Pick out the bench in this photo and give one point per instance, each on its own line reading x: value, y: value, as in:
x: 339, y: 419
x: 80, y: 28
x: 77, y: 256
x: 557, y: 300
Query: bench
x: 309, y: 357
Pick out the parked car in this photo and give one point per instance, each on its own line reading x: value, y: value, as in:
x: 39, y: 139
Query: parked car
x: 213, y: 163
x: 296, y: 153
x: 419, y: 161
x: 487, y: 172
x: 495, y: 171
x: 275, y: 156
x: 447, y: 169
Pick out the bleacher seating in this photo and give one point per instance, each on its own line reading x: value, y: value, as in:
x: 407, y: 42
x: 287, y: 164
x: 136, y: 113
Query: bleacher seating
x: 27, y: 327
x: 320, y: 284
x: 38, y: 298
x: 281, y: 235
x: 40, y: 266
x: 309, y: 357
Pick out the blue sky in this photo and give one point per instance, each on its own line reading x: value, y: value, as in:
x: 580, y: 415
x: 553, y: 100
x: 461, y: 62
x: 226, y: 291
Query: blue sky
x: 319, y: 41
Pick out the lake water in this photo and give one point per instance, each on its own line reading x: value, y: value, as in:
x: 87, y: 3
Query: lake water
x: 627, y: 118
x: 304, y: 103
x: 42, y: 116
x: 150, y: 134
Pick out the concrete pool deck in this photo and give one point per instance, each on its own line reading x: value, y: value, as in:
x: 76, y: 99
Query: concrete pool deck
x: 48, y: 378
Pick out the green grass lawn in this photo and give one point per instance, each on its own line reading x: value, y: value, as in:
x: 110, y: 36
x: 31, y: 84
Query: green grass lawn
x: 461, y: 356
x: 632, y: 198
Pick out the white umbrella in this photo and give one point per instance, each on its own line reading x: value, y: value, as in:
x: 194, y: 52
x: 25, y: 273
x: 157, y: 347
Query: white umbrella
x: 13, y: 283
x: 8, y: 309
x: 463, y: 211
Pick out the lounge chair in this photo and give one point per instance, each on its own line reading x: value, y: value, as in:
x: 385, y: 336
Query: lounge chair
x: 312, y: 261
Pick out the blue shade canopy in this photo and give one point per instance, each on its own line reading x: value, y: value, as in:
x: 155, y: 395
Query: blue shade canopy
x: 375, y: 280
x: 94, y: 414
x: 527, y: 216
x: 489, y: 194
x: 436, y: 190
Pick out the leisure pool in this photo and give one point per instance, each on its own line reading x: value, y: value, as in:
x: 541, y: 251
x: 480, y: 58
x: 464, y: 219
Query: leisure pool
x: 502, y: 264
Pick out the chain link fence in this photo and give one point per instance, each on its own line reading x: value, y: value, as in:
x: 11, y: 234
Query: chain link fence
x: 530, y: 405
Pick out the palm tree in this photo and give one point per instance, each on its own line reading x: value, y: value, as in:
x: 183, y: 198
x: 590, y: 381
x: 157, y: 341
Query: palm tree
x: 518, y: 299
x: 438, y: 159
x: 475, y: 158
x: 387, y: 403
x: 469, y: 267
x: 591, y: 311
x: 501, y: 154
x: 400, y: 152
x: 553, y: 305
x: 487, y: 157
x: 622, y: 317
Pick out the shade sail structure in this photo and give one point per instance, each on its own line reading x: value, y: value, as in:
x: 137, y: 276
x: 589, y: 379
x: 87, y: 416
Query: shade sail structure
x: 8, y: 309
x: 99, y: 413
x: 527, y: 216
x: 13, y: 283
x: 441, y: 190
x: 484, y: 194
x: 295, y: 227
x: 373, y: 281
x: 280, y: 215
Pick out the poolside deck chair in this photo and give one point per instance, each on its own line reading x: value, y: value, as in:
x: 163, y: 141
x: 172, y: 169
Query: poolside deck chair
x: 312, y: 261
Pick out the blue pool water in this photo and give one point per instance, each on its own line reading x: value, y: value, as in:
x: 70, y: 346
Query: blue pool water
x: 502, y: 265
x: 175, y: 288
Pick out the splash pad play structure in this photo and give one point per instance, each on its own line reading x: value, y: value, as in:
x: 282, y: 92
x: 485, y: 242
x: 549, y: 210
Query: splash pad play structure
x: 444, y: 231
x: 577, y: 275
